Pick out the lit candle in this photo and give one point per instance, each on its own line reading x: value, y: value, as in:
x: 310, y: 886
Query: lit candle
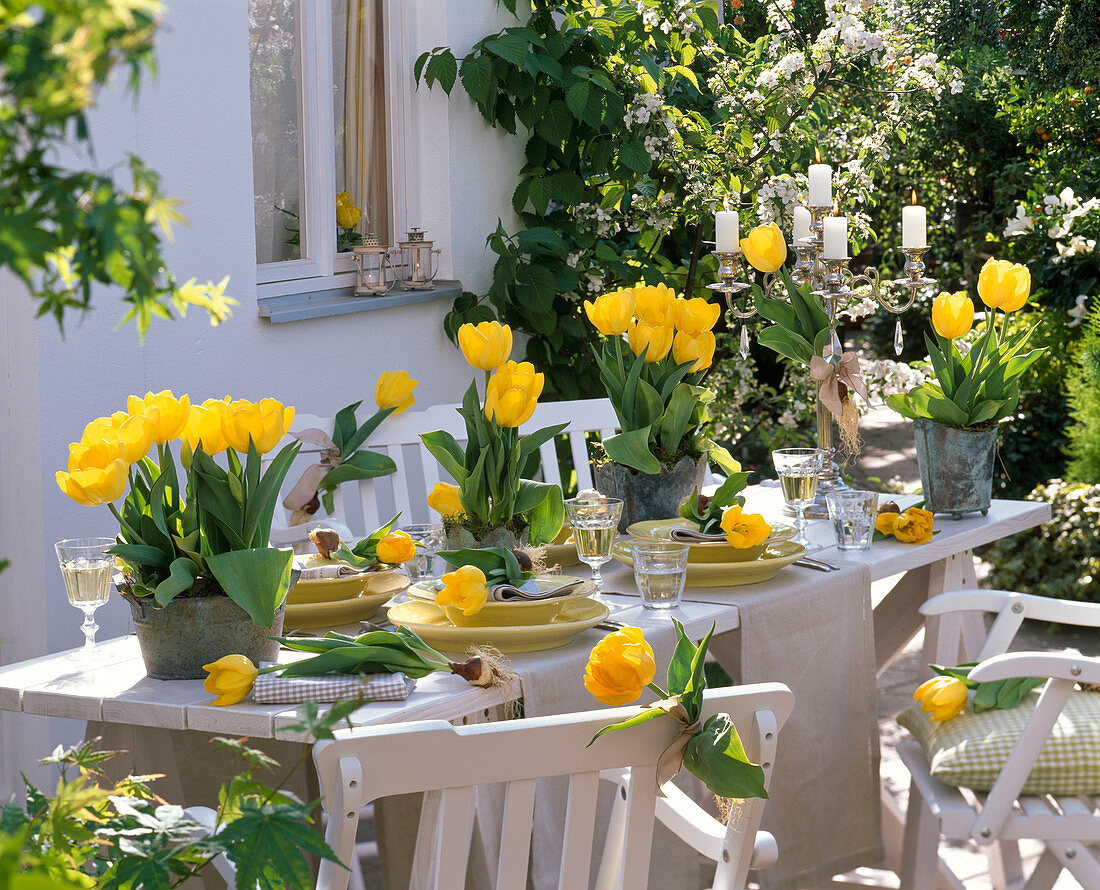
x: 801, y: 224
x: 821, y: 185
x: 914, y: 225
x: 727, y: 231
x: 836, y: 238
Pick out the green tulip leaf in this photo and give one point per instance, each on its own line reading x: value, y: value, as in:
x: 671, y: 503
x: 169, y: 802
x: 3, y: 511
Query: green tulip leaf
x: 716, y: 756
x: 257, y: 580
x: 181, y: 575
x: 631, y: 449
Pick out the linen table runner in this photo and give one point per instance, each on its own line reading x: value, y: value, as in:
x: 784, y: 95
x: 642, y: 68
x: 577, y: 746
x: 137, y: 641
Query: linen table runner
x: 815, y: 633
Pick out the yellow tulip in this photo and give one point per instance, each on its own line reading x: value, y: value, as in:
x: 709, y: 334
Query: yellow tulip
x: 941, y: 698
x: 395, y: 548
x: 696, y: 315
x: 885, y: 522
x: 243, y: 421
x: 269, y: 405
x: 512, y: 394
x: 654, y: 303
x: 914, y: 526
x: 465, y: 588
x: 744, y: 530
x: 95, y: 485
x: 167, y: 413
x: 698, y: 348
x: 204, y: 426
x: 1004, y: 285
x: 620, y: 667
x: 343, y: 198
x: 610, y: 314
x: 230, y: 678
x: 765, y: 248
x: 952, y: 315
x: 657, y: 337
x: 90, y: 454
x: 486, y: 345
x: 394, y: 389
x: 446, y: 499
x: 348, y: 215
x: 133, y: 433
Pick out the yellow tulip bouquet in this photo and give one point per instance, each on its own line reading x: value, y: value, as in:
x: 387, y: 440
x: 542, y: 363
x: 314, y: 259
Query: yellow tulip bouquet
x: 979, y: 389
x: 622, y: 666
x: 208, y: 532
x: 491, y: 491
x: 655, y: 388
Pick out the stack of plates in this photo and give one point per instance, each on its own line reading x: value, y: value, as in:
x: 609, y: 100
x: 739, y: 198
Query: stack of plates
x: 718, y: 564
x: 329, y: 602
x: 509, y: 627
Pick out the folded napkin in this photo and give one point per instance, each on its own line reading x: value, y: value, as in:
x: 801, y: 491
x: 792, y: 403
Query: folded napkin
x: 684, y: 535
x: 271, y: 689
x: 317, y: 573
x: 507, y: 593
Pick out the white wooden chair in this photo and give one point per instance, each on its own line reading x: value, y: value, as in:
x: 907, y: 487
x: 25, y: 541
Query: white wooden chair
x: 997, y: 819
x: 448, y: 763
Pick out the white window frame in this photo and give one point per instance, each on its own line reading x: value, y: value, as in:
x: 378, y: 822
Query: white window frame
x: 320, y: 266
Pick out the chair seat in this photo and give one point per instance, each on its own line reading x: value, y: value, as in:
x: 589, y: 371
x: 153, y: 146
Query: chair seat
x: 1040, y: 817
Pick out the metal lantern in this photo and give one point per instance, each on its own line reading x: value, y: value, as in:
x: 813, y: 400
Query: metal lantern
x: 371, y: 260
x: 415, y: 263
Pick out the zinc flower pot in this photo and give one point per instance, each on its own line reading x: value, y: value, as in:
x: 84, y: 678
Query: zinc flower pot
x: 178, y: 639
x: 459, y: 538
x: 649, y: 496
x: 956, y: 467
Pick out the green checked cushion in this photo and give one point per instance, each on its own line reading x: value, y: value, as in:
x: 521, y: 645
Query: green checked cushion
x: 970, y: 750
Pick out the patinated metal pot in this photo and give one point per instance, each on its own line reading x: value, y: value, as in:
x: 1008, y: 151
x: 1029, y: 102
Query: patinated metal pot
x: 956, y: 467
x: 177, y: 640
x: 647, y: 496
x: 459, y: 538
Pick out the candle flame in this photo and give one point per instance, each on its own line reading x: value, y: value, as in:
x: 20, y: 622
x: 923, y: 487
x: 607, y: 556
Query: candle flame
x: 836, y: 208
x: 817, y: 154
x: 913, y: 197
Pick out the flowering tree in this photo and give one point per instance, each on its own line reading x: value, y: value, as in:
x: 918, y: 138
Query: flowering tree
x: 643, y: 118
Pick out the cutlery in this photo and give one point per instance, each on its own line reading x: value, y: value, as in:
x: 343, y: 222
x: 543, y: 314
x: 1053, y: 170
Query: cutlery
x: 822, y: 562
x: 808, y: 564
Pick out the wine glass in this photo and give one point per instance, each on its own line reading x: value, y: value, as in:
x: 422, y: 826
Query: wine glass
x: 799, y: 469
x: 595, y: 524
x: 86, y: 567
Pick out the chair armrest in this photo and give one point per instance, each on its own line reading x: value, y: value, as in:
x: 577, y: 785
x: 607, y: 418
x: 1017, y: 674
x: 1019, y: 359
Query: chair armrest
x: 1025, y: 605
x: 1071, y: 666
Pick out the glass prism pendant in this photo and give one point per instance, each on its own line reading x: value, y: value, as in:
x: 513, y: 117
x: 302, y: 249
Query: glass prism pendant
x: 744, y: 342
x: 899, y: 340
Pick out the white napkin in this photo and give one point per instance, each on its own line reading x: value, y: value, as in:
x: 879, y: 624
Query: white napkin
x: 529, y: 590
x: 685, y: 535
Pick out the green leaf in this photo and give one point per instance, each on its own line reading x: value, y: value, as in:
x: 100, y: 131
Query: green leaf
x: 677, y: 418
x: 637, y: 719
x: 576, y: 97
x: 511, y: 47
x: 540, y: 191
x: 361, y: 465
x: 631, y: 449
x: 180, y: 578
x: 717, y: 758
x: 679, y: 667
x: 445, y: 449
x: 257, y: 580
x: 634, y: 155
x: 541, y: 503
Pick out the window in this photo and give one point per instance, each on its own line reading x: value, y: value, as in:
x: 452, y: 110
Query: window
x: 319, y: 108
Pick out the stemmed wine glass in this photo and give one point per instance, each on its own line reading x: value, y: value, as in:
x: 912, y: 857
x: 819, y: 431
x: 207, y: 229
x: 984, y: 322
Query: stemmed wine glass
x: 86, y: 567
x: 799, y: 469
x: 595, y: 524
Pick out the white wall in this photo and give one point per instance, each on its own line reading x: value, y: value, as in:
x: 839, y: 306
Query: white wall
x: 192, y: 125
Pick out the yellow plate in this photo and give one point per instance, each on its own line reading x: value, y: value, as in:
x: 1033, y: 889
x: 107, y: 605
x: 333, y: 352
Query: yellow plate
x: 730, y: 574
x: 428, y: 620
x: 328, y: 590
x: 660, y: 530
x: 508, y: 614
x: 346, y: 611
x: 562, y: 551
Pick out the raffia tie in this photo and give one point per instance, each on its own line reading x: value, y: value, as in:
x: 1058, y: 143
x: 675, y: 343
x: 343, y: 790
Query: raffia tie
x: 305, y: 489
x: 829, y: 376
x: 672, y: 758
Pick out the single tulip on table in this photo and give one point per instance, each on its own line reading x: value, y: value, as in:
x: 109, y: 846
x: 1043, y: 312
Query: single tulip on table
x: 941, y: 698
x: 230, y: 678
x: 464, y: 588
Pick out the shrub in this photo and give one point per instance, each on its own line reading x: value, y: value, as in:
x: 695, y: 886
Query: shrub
x: 1062, y: 559
x: 1084, y: 401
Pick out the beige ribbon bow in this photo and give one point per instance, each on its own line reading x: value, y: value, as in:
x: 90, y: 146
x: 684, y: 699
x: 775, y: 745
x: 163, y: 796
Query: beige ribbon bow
x: 672, y: 758
x: 305, y: 489
x: 829, y: 376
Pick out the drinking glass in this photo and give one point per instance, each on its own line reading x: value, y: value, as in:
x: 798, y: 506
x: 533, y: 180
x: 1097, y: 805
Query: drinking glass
x: 660, y: 571
x: 429, y: 539
x: 86, y: 567
x: 595, y: 524
x: 853, y: 516
x: 799, y: 469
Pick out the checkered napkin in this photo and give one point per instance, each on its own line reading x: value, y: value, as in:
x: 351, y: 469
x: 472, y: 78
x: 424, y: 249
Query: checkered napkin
x: 270, y: 689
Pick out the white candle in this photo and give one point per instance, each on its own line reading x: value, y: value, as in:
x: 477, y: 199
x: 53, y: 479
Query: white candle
x: 913, y: 226
x: 821, y: 185
x: 727, y: 231
x: 836, y: 238
x: 801, y: 223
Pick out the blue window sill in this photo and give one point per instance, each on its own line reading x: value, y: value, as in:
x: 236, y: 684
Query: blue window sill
x: 342, y: 301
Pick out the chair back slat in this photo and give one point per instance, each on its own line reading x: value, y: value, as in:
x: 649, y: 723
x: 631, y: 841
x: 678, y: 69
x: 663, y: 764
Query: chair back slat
x: 515, y: 836
x: 400, y: 492
x: 641, y: 802
x: 580, y: 821
x: 456, y: 825
x: 578, y: 446
x: 551, y: 472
